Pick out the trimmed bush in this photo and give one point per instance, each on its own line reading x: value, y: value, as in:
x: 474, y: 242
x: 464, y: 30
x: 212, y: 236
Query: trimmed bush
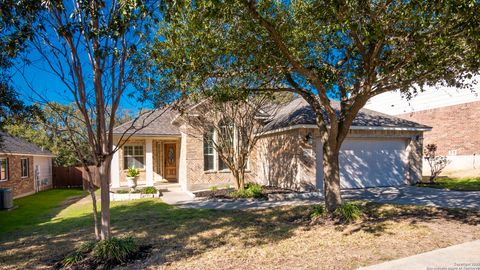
x: 149, y: 190
x: 348, y: 212
x: 252, y: 190
x: 115, y: 250
x: 317, y: 211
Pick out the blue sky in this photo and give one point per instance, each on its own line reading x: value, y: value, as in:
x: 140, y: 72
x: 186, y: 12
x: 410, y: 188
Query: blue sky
x: 48, y: 86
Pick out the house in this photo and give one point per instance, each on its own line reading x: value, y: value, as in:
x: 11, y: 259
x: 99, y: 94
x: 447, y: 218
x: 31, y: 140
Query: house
x: 24, y: 167
x: 380, y: 150
x: 454, y: 115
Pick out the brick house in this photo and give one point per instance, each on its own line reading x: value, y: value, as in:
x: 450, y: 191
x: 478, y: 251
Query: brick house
x: 454, y: 115
x: 24, y: 167
x: 380, y: 150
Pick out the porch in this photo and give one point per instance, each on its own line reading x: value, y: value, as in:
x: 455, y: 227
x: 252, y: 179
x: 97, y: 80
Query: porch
x: 157, y: 159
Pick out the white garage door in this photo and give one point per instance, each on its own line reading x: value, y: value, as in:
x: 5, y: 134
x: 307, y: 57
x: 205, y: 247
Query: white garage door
x: 370, y: 163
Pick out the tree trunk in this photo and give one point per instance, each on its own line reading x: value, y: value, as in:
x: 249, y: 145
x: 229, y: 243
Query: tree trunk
x: 331, y: 178
x: 104, y: 173
x: 91, y: 190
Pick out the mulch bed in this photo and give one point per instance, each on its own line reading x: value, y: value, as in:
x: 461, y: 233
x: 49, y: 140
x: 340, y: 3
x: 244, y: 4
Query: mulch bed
x: 225, y: 193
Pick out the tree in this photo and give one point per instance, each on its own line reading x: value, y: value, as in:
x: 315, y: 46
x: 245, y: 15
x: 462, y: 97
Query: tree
x: 50, y: 132
x: 90, y: 45
x: 437, y: 163
x: 334, y: 54
x: 16, y: 28
x: 230, y: 124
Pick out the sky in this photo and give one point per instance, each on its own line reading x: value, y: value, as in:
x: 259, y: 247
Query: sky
x: 48, y: 86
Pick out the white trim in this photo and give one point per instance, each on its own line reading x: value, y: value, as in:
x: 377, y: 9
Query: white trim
x: 351, y: 128
x: 152, y: 136
x: 21, y: 169
x: 133, y: 145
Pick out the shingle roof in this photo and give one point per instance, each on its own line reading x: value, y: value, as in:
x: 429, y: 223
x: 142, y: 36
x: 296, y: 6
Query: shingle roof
x: 15, y: 145
x: 295, y: 112
x: 299, y: 112
x: 159, y: 124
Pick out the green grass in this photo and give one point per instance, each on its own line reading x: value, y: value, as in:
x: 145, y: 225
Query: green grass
x: 35, y: 209
x: 462, y: 184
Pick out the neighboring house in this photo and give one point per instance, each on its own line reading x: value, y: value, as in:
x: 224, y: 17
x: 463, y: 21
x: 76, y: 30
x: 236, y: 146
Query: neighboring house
x: 454, y: 115
x: 24, y: 167
x: 380, y: 150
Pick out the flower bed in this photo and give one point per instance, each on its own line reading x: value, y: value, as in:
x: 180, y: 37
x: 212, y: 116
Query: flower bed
x: 267, y: 192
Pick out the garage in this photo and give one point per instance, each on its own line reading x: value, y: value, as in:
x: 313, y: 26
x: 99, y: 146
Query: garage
x: 369, y: 162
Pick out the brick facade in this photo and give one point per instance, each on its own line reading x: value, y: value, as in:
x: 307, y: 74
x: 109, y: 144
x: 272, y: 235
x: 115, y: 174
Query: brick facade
x: 197, y: 177
x: 20, y: 186
x: 455, y: 128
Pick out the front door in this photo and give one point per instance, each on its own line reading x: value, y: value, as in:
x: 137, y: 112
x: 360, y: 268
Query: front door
x: 170, y: 160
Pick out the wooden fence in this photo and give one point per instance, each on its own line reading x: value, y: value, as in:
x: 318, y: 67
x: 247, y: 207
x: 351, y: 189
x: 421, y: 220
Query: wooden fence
x: 65, y: 177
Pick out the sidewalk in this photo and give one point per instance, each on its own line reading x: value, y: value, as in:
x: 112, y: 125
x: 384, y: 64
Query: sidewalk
x: 465, y: 256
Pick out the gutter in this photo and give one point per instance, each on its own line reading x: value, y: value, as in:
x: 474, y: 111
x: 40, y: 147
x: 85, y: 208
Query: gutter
x: 310, y: 126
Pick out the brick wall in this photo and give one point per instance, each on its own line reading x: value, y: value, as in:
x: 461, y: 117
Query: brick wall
x: 454, y: 127
x: 20, y: 186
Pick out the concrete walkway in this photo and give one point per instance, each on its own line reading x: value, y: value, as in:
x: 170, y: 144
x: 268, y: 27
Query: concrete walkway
x: 459, y: 257
x: 393, y: 195
x: 418, y: 196
x: 176, y: 196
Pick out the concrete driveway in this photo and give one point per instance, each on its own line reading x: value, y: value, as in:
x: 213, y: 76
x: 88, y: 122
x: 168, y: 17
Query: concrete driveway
x: 417, y: 195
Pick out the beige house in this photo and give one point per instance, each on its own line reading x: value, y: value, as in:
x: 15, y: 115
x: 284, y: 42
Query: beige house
x: 380, y: 150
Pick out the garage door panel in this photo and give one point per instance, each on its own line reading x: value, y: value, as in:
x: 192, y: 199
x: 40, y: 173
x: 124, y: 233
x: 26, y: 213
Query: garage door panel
x: 368, y: 162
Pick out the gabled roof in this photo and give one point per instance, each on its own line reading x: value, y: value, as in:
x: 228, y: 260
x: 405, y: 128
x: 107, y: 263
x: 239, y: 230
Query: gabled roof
x: 159, y: 124
x: 293, y: 113
x: 299, y: 112
x: 14, y: 145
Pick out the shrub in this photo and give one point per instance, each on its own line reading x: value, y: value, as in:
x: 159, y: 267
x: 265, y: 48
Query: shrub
x: 77, y: 255
x: 122, y: 191
x: 213, y: 188
x: 348, y: 212
x: 115, y: 250
x: 149, y: 190
x: 437, y: 163
x: 251, y: 190
x: 133, y: 172
x: 317, y: 211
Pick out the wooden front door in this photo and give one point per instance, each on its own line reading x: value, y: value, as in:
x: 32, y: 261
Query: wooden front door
x: 170, y: 160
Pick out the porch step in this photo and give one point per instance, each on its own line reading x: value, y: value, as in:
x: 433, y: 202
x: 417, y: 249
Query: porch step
x: 166, y: 186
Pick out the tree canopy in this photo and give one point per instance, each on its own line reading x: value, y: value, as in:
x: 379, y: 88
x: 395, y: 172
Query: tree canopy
x: 335, y: 54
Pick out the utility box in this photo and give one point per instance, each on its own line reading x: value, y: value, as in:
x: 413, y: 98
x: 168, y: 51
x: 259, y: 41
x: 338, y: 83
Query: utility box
x: 6, y: 198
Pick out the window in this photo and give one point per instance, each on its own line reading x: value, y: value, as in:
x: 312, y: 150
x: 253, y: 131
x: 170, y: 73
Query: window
x: 133, y: 156
x: 208, y: 155
x: 227, y: 132
x: 24, y: 167
x: 3, y: 169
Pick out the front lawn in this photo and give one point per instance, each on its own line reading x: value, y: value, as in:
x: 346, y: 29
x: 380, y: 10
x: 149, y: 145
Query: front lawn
x: 251, y: 239
x: 461, y: 184
x: 36, y: 208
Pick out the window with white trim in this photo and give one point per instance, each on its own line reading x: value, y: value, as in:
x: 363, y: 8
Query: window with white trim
x: 3, y: 169
x: 133, y: 156
x: 24, y: 167
x: 208, y: 152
